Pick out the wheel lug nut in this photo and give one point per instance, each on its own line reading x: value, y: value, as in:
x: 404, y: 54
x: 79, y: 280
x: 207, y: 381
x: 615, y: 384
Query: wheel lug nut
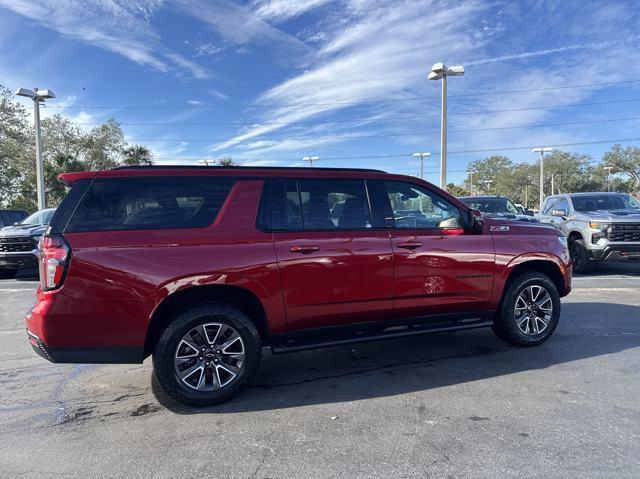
x: 215, y: 360
x: 218, y: 352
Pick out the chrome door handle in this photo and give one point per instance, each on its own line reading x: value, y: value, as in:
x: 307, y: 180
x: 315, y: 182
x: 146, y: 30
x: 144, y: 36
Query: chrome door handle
x: 304, y: 249
x: 409, y: 244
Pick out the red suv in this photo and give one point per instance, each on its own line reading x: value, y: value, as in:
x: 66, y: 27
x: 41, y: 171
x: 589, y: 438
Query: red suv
x: 203, y: 266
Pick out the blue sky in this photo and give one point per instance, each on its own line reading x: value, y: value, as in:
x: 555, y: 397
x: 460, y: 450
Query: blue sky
x: 270, y: 81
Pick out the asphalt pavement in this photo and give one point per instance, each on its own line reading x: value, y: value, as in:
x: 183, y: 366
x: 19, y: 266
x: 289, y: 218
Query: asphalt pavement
x: 451, y: 405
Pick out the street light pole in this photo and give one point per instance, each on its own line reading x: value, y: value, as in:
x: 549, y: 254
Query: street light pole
x: 422, y: 156
x: 608, y: 168
x: 542, y: 151
x: 440, y: 71
x: 38, y: 95
x: 311, y: 159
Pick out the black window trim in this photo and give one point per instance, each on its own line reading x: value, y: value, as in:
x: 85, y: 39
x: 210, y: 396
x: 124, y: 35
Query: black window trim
x: 263, y: 206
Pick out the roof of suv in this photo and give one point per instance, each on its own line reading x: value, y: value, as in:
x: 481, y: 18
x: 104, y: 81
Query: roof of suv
x: 234, y: 171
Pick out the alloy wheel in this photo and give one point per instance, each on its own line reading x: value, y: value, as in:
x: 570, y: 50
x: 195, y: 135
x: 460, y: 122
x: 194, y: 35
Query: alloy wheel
x: 209, y: 357
x: 533, y: 310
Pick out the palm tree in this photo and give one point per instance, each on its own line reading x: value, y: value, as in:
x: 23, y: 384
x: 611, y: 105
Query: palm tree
x: 228, y: 161
x: 137, y: 155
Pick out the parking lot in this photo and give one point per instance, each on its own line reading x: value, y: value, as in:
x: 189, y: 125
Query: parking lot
x: 449, y: 405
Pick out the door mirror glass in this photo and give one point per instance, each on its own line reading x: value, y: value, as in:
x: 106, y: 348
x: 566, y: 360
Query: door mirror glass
x: 561, y: 213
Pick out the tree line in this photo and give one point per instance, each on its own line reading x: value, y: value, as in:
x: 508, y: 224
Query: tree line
x: 68, y: 147
x: 565, y: 172
x: 65, y: 147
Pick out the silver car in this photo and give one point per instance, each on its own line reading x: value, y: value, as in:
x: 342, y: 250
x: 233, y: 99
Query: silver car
x: 599, y: 226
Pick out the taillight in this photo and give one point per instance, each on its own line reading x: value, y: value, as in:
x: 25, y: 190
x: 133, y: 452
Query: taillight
x: 54, y: 257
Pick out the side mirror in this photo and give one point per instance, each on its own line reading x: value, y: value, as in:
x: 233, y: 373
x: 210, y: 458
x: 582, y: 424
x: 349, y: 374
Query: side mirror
x: 475, y: 220
x: 528, y: 212
x: 561, y: 213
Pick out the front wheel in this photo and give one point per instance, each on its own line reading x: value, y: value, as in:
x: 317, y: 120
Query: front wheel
x: 580, y: 258
x: 529, y: 312
x: 207, y: 354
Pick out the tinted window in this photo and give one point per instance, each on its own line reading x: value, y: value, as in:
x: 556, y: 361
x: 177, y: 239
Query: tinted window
x: 316, y: 205
x: 562, y: 204
x: 603, y: 202
x: 281, y: 206
x: 549, y: 205
x: 40, y: 218
x: 14, y: 216
x: 150, y: 203
x: 417, y: 207
x: 491, y: 205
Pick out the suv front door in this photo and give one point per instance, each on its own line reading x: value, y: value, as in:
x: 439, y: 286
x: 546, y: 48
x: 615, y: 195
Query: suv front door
x: 335, y: 262
x: 439, y: 266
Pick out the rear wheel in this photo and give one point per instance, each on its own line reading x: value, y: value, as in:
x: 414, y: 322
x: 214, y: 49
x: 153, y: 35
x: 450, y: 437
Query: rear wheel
x: 207, y: 354
x: 529, y: 312
x: 580, y: 258
x: 7, y: 273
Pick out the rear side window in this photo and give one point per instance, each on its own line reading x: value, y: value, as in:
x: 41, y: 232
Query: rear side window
x: 149, y: 203
x: 316, y: 204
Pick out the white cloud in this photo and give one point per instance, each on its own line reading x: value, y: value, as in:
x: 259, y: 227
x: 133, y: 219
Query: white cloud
x: 281, y: 10
x: 375, y: 54
x: 117, y: 26
x: 237, y: 24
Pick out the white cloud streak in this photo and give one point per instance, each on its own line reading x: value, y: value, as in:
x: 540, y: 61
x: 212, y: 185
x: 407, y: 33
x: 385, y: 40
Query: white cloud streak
x: 282, y: 10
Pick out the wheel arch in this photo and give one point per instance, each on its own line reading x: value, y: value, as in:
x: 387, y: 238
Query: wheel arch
x: 549, y: 266
x: 186, y: 298
x: 575, y: 235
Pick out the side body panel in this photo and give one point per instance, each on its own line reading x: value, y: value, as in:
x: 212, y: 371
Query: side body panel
x: 348, y: 279
x: 116, y: 279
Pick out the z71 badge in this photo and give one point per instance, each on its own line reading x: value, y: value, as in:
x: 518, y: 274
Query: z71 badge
x: 499, y: 228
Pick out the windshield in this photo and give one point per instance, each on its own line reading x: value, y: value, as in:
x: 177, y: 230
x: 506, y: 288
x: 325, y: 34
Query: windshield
x: 605, y: 202
x: 38, y: 218
x: 492, y: 205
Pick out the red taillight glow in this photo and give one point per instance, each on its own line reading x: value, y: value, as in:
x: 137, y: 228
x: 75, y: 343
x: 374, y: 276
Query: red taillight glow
x: 54, y: 256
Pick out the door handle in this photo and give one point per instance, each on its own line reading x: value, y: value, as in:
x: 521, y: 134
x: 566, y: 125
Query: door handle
x: 409, y: 244
x: 304, y: 249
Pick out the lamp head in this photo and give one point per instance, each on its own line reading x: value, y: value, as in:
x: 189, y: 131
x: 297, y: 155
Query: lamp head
x: 25, y: 92
x: 43, y: 94
x: 455, y: 71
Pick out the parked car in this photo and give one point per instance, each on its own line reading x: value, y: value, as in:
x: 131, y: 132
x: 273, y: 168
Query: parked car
x: 10, y: 217
x: 201, y: 267
x: 599, y: 226
x: 19, y: 243
x: 498, y: 207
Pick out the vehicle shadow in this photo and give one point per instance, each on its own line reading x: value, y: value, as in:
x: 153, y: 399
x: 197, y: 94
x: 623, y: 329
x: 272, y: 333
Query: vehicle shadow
x: 419, y: 363
x: 627, y: 268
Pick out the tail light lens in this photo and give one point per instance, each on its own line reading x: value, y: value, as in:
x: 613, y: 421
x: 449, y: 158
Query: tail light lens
x: 54, y: 258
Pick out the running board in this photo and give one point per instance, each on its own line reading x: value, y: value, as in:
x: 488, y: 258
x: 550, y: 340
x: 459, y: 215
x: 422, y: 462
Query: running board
x: 365, y: 332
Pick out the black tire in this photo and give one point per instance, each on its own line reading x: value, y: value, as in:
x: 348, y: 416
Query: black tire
x: 8, y: 273
x: 580, y: 258
x: 505, y: 325
x: 167, y: 347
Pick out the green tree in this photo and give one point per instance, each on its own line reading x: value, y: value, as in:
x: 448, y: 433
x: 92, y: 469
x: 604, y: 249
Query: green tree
x: 626, y: 161
x: 137, y: 155
x: 16, y: 148
x: 488, y: 175
x: 457, y: 190
x: 228, y: 161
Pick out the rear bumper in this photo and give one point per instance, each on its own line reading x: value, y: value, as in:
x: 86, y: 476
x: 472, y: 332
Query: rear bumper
x: 51, y: 336
x: 18, y: 260
x: 118, y: 355
x: 616, y: 252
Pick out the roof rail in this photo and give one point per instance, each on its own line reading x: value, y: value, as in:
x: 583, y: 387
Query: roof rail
x: 285, y: 168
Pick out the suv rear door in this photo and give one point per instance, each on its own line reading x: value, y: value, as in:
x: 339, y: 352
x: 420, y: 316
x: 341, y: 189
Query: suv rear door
x: 334, y: 258
x: 439, y: 266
